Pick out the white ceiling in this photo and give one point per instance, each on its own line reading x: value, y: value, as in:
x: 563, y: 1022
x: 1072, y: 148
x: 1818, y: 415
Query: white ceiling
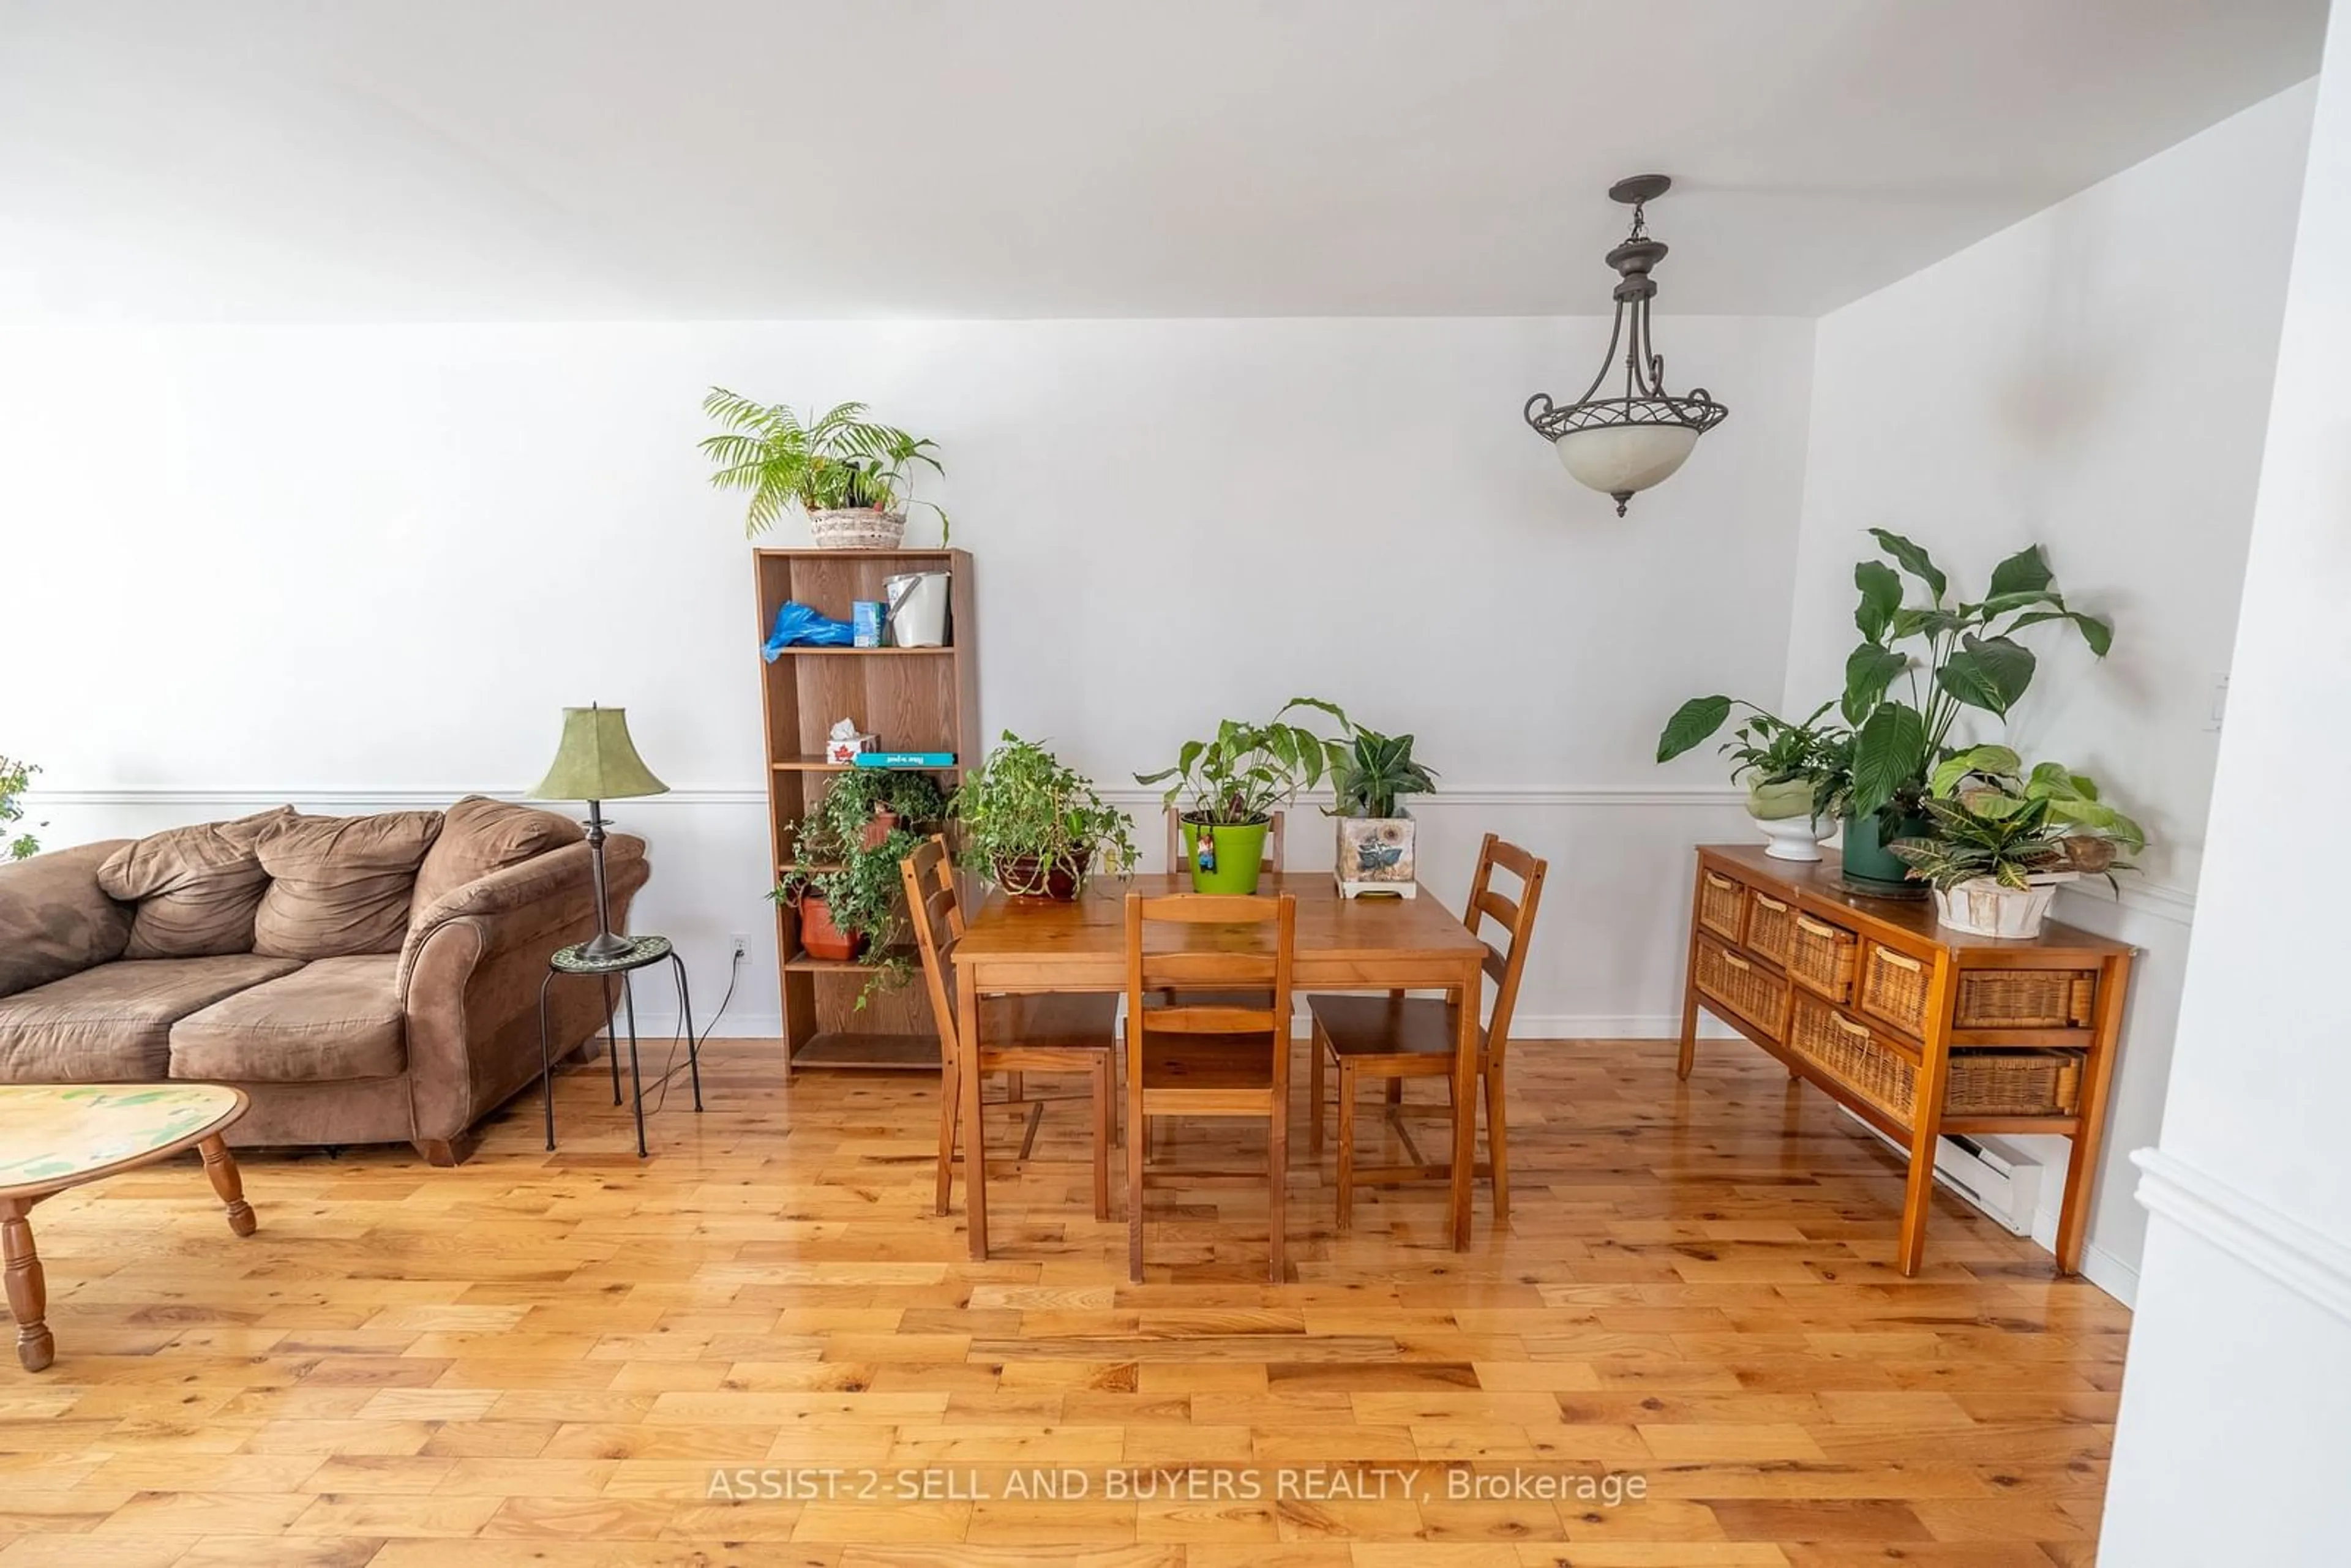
x: 303, y: 160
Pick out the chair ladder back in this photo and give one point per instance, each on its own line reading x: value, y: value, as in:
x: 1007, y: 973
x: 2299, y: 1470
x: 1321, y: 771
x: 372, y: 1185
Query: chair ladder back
x: 1174, y: 971
x: 1272, y: 861
x: 1517, y: 917
x: 936, y: 912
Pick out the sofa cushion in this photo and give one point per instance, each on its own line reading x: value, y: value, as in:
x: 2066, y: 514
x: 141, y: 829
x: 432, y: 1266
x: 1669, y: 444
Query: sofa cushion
x: 112, y: 1024
x: 339, y: 886
x: 328, y: 1021
x: 194, y: 889
x: 54, y: 919
x: 479, y: 836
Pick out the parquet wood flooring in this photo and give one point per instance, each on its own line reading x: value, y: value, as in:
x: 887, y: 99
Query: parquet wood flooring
x: 541, y: 1358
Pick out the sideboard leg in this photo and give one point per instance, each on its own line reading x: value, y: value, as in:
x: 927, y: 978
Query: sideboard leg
x: 1926, y: 1117
x: 2097, y: 1081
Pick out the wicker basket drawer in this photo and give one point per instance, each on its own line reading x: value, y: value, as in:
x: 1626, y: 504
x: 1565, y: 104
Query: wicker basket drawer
x: 1821, y: 957
x: 1979, y: 1083
x: 1848, y: 1052
x: 1743, y: 987
x: 2026, y: 999
x: 1771, y: 926
x: 1722, y: 906
x: 1894, y: 988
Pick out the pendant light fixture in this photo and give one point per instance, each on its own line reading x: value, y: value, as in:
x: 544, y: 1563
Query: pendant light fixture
x: 1623, y: 445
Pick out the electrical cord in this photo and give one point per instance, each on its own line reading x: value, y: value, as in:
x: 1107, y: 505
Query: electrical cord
x: 677, y: 1036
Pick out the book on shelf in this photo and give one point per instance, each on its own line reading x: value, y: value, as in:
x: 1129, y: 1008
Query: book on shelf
x: 904, y: 759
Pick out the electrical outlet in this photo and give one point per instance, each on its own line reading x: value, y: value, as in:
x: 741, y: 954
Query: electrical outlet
x: 742, y: 945
x: 2220, y: 710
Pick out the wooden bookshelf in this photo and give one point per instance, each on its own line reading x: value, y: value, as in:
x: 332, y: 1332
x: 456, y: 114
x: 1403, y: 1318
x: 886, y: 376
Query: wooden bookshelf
x: 914, y: 699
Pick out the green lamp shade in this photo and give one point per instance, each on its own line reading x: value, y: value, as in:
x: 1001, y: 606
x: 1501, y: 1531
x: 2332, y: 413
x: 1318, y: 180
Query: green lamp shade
x: 597, y: 760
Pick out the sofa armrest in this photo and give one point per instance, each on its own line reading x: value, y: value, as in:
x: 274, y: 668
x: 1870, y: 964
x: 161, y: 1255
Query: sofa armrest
x: 530, y: 891
x: 54, y: 919
x: 470, y: 974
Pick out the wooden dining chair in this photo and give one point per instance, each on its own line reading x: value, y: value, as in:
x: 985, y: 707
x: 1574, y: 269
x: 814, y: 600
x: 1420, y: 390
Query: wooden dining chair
x: 1270, y: 864
x: 1188, y: 1058
x: 1057, y: 1032
x: 1397, y: 1037
x: 1272, y: 861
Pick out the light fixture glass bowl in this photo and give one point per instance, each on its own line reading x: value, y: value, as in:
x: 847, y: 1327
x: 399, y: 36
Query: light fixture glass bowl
x: 1624, y: 459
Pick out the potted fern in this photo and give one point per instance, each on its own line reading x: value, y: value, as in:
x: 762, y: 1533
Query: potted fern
x: 852, y: 476
x: 2001, y: 842
x: 1037, y: 828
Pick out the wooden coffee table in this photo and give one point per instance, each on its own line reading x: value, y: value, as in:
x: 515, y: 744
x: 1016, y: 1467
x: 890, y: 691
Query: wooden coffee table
x: 59, y: 1136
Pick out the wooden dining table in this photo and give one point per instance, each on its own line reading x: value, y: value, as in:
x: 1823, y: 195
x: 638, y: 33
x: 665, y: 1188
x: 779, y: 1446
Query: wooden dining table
x: 1020, y: 945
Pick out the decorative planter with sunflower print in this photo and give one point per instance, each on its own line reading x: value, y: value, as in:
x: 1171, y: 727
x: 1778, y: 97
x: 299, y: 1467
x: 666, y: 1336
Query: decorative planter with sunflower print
x: 1374, y: 857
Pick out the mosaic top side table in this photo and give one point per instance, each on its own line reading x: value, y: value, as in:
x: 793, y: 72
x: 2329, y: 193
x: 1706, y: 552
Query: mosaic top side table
x: 643, y: 952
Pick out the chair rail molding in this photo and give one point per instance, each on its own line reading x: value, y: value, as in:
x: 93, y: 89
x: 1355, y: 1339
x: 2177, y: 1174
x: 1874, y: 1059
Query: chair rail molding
x: 2164, y: 901
x: 2306, y: 1260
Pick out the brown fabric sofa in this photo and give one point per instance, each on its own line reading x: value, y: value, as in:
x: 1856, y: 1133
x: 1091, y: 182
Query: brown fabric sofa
x: 365, y: 980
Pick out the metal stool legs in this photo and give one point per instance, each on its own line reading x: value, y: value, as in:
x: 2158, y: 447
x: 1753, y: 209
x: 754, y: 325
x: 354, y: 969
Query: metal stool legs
x: 648, y: 950
x: 693, y: 1044
x: 611, y: 1037
x: 636, y: 1082
x: 546, y: 1062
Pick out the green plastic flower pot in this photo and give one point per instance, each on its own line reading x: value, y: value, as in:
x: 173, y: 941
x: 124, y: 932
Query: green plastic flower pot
x: 1870, y: 867
x: 1238, y: 851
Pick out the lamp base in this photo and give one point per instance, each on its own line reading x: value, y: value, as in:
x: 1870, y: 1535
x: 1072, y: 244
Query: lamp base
x: 604, y: 944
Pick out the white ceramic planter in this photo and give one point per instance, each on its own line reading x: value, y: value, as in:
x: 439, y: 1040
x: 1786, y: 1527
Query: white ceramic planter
x: 1375, y: 855
x: 1783, y: 813
x: 1789, y: 838
x: 1984, y: 908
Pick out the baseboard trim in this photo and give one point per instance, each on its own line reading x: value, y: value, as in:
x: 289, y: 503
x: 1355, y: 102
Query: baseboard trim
x: 2312, y: 1264
x: 663, y: 1025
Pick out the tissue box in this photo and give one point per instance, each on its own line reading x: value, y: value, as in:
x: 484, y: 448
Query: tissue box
x: 845, y: 751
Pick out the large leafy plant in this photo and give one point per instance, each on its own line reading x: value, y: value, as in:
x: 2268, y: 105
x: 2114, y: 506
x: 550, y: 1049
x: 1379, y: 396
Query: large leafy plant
x: 1992, y: 781
x: 1967, y: 657
x: 1965, y: 845
x: 1987, y: 816
x: 847, y: 853
x: 839, y: 460
x: 1766, y: 748
x: 1024, y: 813
x: 1370, y: 772
x: 1244, y: 771
x: 15, y: 778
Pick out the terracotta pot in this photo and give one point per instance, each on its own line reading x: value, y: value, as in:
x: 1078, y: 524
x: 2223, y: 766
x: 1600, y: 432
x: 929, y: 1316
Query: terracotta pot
x: 1059, y: 883
x: 819, y: 937
x: 885, y: 823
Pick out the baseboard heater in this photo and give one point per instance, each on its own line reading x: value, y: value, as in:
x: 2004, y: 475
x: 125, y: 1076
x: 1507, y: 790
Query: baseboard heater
x: 1998, y: 1180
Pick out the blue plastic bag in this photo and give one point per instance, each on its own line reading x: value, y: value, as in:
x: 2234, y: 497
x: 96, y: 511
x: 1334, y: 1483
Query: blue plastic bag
x: 797, y: 626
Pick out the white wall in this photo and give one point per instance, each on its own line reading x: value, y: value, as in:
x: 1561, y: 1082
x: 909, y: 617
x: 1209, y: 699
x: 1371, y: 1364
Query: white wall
x: 2094, y: 379
x: 357, y: 566
x: 2236, y: 1409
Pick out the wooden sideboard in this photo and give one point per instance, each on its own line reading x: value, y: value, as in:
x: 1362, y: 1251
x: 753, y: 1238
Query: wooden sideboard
x: 1919, y: 1030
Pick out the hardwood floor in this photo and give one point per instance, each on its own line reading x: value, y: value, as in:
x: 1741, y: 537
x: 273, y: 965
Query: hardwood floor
x: 548, y: 1358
